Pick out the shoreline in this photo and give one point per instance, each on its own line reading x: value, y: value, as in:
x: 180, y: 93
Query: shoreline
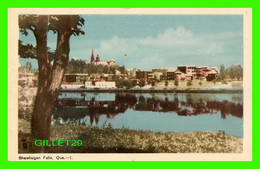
x: 72, y: 90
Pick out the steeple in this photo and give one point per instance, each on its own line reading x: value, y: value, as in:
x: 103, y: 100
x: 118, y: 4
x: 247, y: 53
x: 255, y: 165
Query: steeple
x: 92, y: 57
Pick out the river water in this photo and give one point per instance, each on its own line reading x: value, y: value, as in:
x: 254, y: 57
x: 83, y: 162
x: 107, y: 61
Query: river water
x: 158, y: 112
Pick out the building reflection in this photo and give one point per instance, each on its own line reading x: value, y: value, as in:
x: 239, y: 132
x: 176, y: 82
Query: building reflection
x: 70, y: 107
x: 77, y: 108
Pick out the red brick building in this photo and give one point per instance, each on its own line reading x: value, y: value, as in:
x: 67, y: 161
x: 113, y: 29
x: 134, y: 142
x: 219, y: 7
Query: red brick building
x: 190, y: 72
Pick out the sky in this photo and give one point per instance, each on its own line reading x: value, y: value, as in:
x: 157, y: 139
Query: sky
x: 157, y: 41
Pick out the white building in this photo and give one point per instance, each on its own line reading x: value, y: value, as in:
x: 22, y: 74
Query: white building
x: 28, y: 79
x: 102, y: 85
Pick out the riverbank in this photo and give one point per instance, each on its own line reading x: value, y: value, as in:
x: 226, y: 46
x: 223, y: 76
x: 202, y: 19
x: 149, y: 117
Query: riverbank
x: 153, y: 90
x: 183, y: 86
x: 108, y: 140
x: 198, y: 85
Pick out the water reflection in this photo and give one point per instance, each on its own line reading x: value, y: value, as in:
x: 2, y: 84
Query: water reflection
x: 190, y: 108
x: 99, y: 104
x: 89, y: 108
x: 69, y: 107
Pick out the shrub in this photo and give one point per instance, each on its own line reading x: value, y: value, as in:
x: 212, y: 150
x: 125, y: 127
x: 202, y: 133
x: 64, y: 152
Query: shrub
x: 176, y: 83
x: 166, y: 83
x: 214, y: 81
x: 189, y: 83
x: 224, y: 82
x: 153, y: 83
x: 142, y: 83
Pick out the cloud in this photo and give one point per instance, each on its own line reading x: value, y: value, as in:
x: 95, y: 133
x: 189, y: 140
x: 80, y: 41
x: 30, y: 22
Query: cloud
x: 173, y: 47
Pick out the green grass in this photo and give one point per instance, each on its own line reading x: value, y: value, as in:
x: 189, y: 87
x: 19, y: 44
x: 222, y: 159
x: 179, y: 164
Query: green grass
x: 107, y: 140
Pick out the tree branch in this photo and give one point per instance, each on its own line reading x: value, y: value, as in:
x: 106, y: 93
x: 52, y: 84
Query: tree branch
x: 27, y: 22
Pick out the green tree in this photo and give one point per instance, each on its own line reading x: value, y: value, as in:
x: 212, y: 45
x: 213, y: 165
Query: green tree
x: 80, y: 66
x: 122, y: 69
x: 50, y: 75
x: 166, y: 83
x: 189, y: 83
x: 28, y: 66
x: 127, y: 84
x: 134, y: 82
x: 222, y: 72
x: 153, y: 83
x: 105, y: 69
x: 142, y: 83
x: 119, y: 83
x: 176, y: 83
x: 214, y: 81
x: 156, y: 78
x: 239, y: 74
x: 164, y: 75
x: 235, y: 72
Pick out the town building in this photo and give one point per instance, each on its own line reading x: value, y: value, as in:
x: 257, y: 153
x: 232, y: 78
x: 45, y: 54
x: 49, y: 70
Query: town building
x: 97, y: 61
x: 74, y: 80
x: 190, y: 72
x: 141, y: 75
x: 159, y: 70
x: 108, y: 77
x: 101, y: 85
x: 132, y: 73
x: 77, y: 77
x: 150, y: 75
x: 170, y: 74
x: 27, y: 79
x: 187, y: 69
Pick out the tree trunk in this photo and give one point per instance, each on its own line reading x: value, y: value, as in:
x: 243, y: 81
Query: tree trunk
x: 49, y: 80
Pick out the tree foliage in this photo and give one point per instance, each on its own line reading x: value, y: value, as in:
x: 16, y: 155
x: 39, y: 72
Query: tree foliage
x: 142, y: 83
x: 222, y: 72
x: 189, y: 83
x: 122, y: 83
x: 80, y: 66
x: 56, y: 24
x: 153, y: 83
x: 235, y: 72
x: 166, y: 83
x: 176, y: 83
x: 232, y: 72
x: 28, y: 66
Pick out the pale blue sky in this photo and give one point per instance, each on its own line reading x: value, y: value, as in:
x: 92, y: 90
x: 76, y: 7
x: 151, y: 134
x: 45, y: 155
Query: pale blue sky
x: 158, y: 41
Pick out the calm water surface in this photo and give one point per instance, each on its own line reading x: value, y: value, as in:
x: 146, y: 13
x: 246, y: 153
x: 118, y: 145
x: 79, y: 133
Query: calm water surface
x: 157, y: 112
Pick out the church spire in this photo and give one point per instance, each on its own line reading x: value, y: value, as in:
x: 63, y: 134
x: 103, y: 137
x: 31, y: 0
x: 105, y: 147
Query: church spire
x: 92, y: 57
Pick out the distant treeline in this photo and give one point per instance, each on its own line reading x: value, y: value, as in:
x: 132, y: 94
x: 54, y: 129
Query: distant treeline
x: 232, y: 72
x: 80, y: 66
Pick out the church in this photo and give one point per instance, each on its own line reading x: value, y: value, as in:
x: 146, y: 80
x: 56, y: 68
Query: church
x: 97, y: 61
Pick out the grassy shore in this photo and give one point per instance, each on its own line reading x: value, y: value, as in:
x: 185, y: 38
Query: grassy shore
x: 108, y: 140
